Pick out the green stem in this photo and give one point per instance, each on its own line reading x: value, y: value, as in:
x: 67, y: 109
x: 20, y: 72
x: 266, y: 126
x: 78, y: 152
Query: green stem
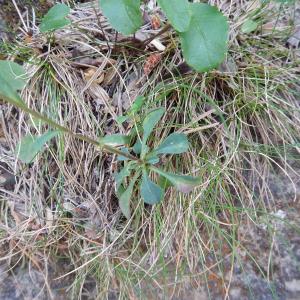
x: 20, y: 104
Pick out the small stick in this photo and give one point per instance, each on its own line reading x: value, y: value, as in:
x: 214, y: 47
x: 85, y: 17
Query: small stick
x: 162, y: 31
x: 20, y: 15
x: 101, y: 27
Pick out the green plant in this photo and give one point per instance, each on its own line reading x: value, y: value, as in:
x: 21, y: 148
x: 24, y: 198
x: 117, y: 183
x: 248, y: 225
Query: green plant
x: 202, y: 29
x: 55, y: 18
x: 139, y: 159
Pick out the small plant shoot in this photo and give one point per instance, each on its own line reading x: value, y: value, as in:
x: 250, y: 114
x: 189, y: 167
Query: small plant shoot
x: 139, y: 161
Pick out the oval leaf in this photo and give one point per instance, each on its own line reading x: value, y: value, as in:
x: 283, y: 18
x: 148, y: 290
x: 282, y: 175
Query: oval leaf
x: 178, y: 13
x: 149, y: 123
x: 55, y: 18
x: 150, y: 191
x: 124, y: 200
x: 183, y: 183
x: 124, y: 15
x: 12, y: 79
x: 204, y: 44
x: 175, y: 143
x: 115, y: 140
x: 30, y: 145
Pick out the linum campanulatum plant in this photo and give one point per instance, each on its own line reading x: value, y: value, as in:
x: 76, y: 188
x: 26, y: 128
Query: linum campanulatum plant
x: 138, y: 161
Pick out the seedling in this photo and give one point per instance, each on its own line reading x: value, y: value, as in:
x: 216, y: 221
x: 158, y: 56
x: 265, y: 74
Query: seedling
x: 138, y: 160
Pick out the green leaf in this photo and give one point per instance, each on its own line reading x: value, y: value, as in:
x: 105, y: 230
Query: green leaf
x: 137, y: 147
x: 163, y: 182
x: 115, y: 140
x: 121, y: 119
x: 36, y: 121
x: 150, y: 191
x: 121, y: 157
x: 149, y: 123
x: 204, y: 44
x: 137, y: 104
x: 30, y: 145
x: 55, y: 18
x: 183, y: 183
x: 249, y: 26
x: 120, y: 191
x: 12, y: 79
x: 124, y: 200
x: 175, y: 143
x: 152, y: 158
x: 124, y: 15
x: 119, y: 177
x: 178, y: 13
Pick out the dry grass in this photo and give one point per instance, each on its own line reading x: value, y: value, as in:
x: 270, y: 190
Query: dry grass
x: 242, y: 121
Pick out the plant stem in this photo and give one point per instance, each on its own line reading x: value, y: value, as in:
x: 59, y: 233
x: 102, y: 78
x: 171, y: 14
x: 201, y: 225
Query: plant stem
x: 163, y: 30
x: 20, y: 104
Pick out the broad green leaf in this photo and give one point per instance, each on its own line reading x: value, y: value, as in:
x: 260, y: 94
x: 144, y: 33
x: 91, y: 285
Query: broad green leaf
x: 178, y: 13
x: 12, y: 79
x: 150, y: 191
x: 115, y: 140
x: 137, y: 147
x: 30, y: 145
x: 137, y: 104
x: 149, y: 123
x: 55, y: 18
x: 124, y: 200
x: 175, y: 143
x: 183, y: 183
x: 204, y: 44
x: 124, y: 15
x: 249, y: 26
x: 13, y: 72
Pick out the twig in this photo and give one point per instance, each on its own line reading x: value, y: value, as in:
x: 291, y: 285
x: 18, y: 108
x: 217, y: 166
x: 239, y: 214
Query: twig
x: 20, y: 15
x: 162, y: 31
